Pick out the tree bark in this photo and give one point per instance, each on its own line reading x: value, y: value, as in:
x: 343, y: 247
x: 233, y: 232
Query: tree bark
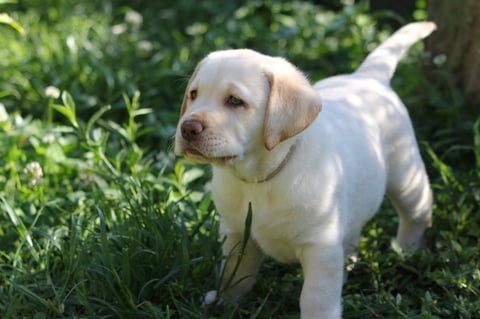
x: 456, y: 43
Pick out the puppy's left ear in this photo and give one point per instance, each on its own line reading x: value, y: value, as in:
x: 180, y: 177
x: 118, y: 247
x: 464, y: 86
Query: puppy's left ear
x: 292, y: 105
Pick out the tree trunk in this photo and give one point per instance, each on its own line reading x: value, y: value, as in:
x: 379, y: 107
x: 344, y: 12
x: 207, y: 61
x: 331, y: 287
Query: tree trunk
x: 456, y: 43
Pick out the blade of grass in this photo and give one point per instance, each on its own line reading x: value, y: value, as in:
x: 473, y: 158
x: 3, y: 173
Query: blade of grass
x: 243, y: 246
x: 21, y: 229
x: 33, y: 296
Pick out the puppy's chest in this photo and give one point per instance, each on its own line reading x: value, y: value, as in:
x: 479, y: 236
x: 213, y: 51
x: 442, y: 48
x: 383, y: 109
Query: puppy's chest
x: 275, y: 226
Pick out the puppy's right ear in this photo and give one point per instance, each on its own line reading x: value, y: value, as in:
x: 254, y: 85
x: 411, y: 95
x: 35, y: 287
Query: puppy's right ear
x: 187, y: 90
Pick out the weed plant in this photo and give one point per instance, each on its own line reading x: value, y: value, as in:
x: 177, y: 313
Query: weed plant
x: 98, y: 219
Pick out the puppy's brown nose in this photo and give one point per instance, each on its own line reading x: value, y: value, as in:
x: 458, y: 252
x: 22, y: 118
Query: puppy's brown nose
x: 191, y: 129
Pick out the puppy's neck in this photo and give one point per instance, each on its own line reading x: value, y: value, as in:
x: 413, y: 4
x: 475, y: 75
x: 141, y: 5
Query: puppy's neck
x: 263, y: 165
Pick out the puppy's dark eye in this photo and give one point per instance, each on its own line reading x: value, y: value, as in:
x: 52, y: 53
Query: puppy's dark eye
x: 234, y: 101
x: 193, y: 95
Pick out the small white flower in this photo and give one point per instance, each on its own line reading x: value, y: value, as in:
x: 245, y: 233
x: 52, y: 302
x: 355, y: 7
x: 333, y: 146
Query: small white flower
x: 72, y: 44
x: 119, y: 28
x: 145, y: 47
x: 134, y: 19
x: 48, y: 139
x: 34, y: 171
x: 440, y: 59
x: 52, y: 92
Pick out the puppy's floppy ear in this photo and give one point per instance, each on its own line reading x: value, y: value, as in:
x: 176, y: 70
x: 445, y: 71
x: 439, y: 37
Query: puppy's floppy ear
x: 187, y: 90
x: 292, y: 105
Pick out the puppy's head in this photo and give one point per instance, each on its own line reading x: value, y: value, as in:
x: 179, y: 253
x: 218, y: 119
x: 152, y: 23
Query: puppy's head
x: 239, y: 102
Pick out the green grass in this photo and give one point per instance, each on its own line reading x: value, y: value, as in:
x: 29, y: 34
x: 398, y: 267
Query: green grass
x: 98, y: 219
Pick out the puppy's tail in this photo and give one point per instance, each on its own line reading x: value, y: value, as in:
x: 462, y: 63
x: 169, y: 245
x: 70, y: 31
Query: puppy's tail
x: 382, y: 62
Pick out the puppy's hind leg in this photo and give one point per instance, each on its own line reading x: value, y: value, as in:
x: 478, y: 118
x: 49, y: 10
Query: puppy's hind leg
x: 409, y: 191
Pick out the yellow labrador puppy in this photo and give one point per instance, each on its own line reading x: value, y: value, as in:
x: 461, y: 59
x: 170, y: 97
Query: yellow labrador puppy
x: 314, y: 162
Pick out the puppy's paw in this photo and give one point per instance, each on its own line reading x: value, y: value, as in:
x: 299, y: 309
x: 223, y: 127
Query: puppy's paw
x: 210, y: 298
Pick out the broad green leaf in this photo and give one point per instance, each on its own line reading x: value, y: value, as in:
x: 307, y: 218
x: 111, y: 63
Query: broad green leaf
x: 6, y: 19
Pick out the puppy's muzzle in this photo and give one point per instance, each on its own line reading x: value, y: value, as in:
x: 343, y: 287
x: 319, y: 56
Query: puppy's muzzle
x: 191, y: 130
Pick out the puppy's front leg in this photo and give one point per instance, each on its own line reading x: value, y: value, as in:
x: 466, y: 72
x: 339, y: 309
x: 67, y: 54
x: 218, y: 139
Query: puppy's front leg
x: 322, y: 286
x: 239, y: 275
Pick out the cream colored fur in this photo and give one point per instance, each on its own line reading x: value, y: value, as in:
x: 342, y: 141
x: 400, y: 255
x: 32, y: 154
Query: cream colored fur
x: 314, y: 161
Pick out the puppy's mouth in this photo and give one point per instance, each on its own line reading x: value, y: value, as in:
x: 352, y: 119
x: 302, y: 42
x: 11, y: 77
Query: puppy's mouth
x: 197, y: 156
